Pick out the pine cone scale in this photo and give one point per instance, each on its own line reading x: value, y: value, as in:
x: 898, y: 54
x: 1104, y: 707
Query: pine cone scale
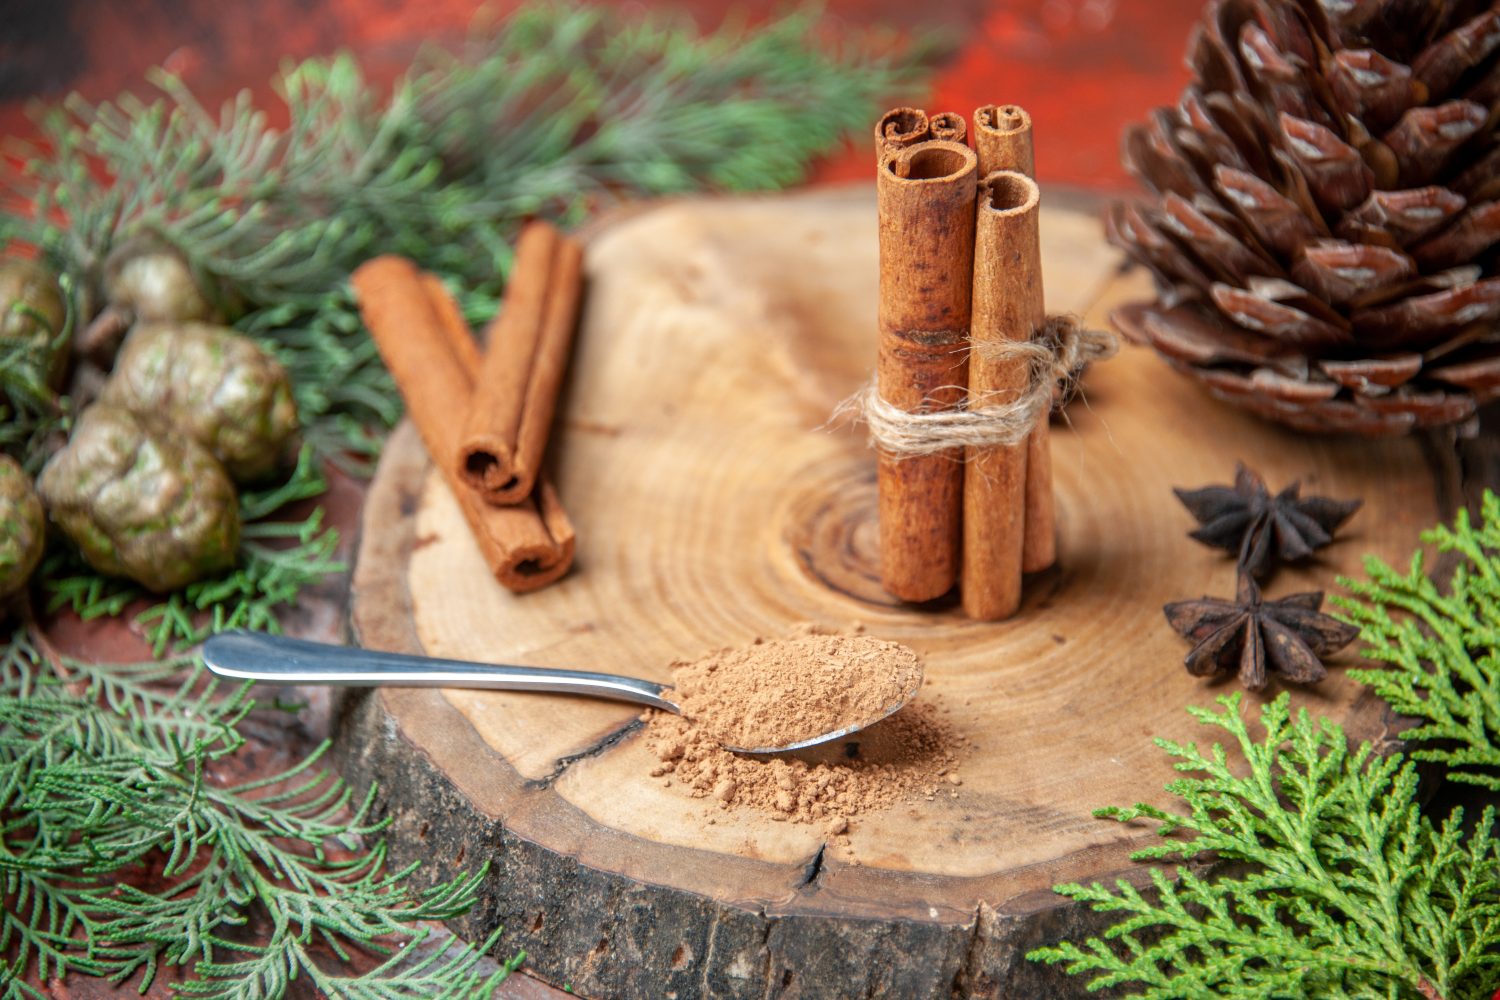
x: 1482, y: 377
x: 1423, y: 319
x: 1425, y: 137
x: 1262, y: 313
x: 1469, y: 235
x: 1371, y: 87
x: 1407, y: 215
x: 1337, y: 175
x: 1184, y: 335
x: 1443, y: 63
x: 1326, y: 212
x: 1342, y: 272
x: 1371, y: 375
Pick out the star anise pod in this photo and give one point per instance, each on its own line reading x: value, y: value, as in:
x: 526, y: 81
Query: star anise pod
x: 1248, y: 635
x: 1261, y: 529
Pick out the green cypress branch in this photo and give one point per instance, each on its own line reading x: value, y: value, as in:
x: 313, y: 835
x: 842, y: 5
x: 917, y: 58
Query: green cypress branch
x: 1350, y: 893
x: 1441, y: 649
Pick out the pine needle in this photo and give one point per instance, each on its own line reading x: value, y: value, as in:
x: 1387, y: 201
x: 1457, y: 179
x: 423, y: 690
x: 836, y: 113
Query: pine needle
x: 557, y: 111
x: 121, y: 859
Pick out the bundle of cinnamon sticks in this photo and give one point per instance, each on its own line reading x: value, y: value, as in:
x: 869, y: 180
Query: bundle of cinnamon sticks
x: 960, y: 277
x: 485, y: 417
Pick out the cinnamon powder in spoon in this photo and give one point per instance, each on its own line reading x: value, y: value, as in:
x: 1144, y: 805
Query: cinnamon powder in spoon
x: 779, y: 692
x: 773, y: 694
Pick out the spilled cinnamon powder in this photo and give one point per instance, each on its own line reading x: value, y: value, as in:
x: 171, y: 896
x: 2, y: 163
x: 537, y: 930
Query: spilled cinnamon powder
x: 754, y: 692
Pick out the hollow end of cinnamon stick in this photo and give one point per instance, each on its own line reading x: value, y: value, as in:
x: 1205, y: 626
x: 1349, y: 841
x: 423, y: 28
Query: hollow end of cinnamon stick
x: 933, y: 160
x: 537, y: 540
x: 1002, y: 118
x: 487, y: 465
x: 948, y: 126
x: 1009, y: 192
x: 901, y: 127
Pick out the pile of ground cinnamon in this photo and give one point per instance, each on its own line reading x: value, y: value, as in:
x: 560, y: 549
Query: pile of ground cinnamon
x: 753, y: 692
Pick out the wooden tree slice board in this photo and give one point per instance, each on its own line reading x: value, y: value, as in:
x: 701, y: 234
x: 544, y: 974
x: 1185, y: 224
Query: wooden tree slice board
x: 713, y: 507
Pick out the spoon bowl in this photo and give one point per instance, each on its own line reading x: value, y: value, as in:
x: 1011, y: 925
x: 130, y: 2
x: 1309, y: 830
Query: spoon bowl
x: 259, y: 656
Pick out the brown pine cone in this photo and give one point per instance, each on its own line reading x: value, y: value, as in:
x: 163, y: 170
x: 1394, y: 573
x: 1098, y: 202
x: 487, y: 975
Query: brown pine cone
x: 1325, y: 216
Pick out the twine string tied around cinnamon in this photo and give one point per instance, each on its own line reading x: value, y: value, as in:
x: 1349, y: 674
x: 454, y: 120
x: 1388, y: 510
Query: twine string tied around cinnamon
x: 1061, y: 349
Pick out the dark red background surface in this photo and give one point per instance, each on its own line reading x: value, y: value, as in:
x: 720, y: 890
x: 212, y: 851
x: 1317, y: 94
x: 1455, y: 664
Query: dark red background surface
x: 1083, y: 68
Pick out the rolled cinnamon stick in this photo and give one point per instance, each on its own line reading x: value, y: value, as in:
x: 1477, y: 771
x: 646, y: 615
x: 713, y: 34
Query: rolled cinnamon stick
x: 899, y: 128
x: 451, y: 322
x: 1007, y: 307
x: 1002, y: 140
x: 948, y: 126
x: 925, y: 196
x: 1041, y: 506
x: 424, y: 341
x: 506, y: 432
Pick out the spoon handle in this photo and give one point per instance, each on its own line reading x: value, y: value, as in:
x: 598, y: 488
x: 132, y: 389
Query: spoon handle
x: 262, y: 657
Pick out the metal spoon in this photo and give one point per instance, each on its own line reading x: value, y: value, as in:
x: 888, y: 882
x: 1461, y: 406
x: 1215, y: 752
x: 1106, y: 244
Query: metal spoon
x: 261, y: 657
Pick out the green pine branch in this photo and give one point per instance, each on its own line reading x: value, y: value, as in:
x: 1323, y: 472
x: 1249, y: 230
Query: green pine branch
x: 122, y: 859
x: 1440, y: 647
x: 1350, y: 893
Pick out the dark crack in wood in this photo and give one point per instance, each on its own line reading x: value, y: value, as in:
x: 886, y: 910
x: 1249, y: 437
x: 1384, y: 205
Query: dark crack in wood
x: 594, y: 749
x: 812, y: 870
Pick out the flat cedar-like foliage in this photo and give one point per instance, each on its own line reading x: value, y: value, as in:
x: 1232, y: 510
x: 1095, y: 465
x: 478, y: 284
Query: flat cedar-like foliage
x: 1344, y: 889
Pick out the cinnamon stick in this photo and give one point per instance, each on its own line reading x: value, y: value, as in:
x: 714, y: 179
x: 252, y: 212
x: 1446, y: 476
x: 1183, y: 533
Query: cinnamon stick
x: 1002, y: 138
x: 925, y: 196
x: 899, y: 128
x: 506, y: 432
x: 424, y: 341
x: 1003, y: 141
x: 455, y: 329
x: 1007, y: 306
x: 948, y: 126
